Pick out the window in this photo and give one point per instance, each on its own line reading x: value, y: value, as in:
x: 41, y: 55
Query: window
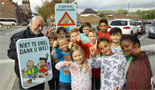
x: 2, y: 4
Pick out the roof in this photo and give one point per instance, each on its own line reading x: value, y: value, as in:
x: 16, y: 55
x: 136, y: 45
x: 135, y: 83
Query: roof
x: 89, y: 11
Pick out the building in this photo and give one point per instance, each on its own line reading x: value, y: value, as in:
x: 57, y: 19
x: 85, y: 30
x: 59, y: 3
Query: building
x: 26, y: 8
x: 88, y: 15
x: 9, y: 9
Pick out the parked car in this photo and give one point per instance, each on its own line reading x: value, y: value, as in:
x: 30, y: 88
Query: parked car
x: 140, y: 27
x: 152, y: 31
x: 127, y: 26
x: 24, y: 23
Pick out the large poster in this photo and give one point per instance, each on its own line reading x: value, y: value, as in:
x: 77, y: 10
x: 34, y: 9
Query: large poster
x: 66, y: 16
x: 34, y: 61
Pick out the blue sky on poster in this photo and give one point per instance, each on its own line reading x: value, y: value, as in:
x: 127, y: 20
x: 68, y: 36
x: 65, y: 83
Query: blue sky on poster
x: 103, y: 4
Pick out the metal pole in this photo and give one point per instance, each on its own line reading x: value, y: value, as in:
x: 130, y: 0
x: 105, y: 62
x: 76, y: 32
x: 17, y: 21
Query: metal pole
x: 65, y: 1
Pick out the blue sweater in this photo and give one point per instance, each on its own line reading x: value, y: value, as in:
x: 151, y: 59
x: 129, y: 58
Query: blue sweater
x: 64, y: 75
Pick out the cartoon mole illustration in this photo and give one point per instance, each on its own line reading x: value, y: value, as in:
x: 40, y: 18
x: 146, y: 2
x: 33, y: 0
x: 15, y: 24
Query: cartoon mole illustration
x: 31, y: 71
x: 43, y: 66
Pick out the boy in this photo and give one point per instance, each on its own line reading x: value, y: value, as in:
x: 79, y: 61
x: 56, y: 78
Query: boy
x: 115, y: 36
x: 103, y: 26
x: 61, y: 31
x: 62, y: 53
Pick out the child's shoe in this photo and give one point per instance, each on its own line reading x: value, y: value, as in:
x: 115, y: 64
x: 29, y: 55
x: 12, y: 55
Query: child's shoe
x: 29, y: 81
x: 46, y: 74
x: 40, y: 76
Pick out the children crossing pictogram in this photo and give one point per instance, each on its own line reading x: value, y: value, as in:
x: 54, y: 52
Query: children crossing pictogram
x: 66, y: 20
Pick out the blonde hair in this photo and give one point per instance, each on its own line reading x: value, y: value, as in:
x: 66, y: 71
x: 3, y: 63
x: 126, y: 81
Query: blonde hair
x: 73, y: 30
x: 85, y: 62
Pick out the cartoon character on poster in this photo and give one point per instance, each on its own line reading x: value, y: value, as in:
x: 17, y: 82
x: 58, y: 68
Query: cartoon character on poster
x: 43, y: 68
x: 31, y: 71
x: 34, y: 61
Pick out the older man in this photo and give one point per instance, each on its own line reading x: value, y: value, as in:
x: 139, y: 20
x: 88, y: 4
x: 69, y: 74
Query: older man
x: 33, y: 30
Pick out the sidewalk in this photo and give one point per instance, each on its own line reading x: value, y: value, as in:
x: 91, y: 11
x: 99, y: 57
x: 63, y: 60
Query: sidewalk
x: 7, y: 76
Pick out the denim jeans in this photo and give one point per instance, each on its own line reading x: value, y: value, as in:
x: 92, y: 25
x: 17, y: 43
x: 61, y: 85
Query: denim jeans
x: 64, y: 86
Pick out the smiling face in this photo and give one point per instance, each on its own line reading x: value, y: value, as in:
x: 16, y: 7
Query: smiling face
x: 116, y: 37
x: 36, y: 25
x: 103, y: 27
x: 61, y: 33
x: 85, y: 30
x: 73, y: 36
x: 105, y: 48
x: 127, y: 47
x: 78, y: 57
x: 92, y: 37
x: 29, y: 64
x: 63, y: 45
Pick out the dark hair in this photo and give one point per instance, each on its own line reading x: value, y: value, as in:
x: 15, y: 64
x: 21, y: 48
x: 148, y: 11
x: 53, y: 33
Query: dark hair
x: 103, y: 21
x: 115, y: 30
x: 61, y: 29
x: 44, y: 58
x: 52, y: 35
x: 132, y: 38
x: 102, y: 39
x: 86, y: 24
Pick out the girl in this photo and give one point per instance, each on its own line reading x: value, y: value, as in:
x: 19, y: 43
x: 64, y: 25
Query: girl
x: 79, y: 68
x: 112, y: 66
x: 85, y: 30
x: 140, y: 69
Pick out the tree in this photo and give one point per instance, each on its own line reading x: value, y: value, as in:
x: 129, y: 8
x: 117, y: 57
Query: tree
x: 121, y: 11
x: 47, y: 9
x: 101, y: 15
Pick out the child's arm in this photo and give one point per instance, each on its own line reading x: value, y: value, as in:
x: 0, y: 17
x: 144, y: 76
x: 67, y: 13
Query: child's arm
x: 148, y: 48
x: 63, y: 65
x: 122, y: 70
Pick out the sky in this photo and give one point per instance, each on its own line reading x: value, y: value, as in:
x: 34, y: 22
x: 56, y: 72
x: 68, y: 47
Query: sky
x: 103, y: 4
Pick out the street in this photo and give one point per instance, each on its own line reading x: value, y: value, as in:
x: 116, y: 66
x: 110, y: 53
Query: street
x: 5, y: 41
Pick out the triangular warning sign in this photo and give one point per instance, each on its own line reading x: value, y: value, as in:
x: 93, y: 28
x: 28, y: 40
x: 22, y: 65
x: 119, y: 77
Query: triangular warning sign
x: 64, y: 21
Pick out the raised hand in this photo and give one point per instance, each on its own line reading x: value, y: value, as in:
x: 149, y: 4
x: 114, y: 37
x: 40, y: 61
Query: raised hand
x: 71, y: 45
x: 67, y: 63
x: 55, y: 44
x: 117, y: 88
x: 78, y: 38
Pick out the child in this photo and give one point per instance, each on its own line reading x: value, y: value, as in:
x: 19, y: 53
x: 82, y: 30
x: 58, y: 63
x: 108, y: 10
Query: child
x: 115, y: 36
x: 112, y: 66
x: 61, y: 31
x: 73, y: 34
x: 84, y: 34
x: 138, y: 72
x: 79, y: 68
x: 92, y: 36
x: 63, y: 55
x: 54, y: 82
x: 103, y: 26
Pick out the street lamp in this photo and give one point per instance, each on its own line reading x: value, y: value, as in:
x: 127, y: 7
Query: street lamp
x: 128, y: 6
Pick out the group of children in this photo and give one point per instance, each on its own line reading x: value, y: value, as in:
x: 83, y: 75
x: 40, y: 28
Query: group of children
x: 93, y: 59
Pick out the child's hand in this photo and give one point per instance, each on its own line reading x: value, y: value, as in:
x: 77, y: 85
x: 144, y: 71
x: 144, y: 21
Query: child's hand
x: 55, y: 44
x: 71, y: 45
x: 67, y: 63
x: 78, y: 38
x: 92, y: 51
x: 52, y: 28
x: 117, y: 88
x: 136, y: 51
x: 53, y: 53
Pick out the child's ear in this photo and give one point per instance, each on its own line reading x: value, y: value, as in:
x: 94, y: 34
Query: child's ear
x: 136, y: 45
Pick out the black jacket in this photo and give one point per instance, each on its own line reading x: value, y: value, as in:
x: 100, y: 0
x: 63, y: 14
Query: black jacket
x: 12, y: 54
